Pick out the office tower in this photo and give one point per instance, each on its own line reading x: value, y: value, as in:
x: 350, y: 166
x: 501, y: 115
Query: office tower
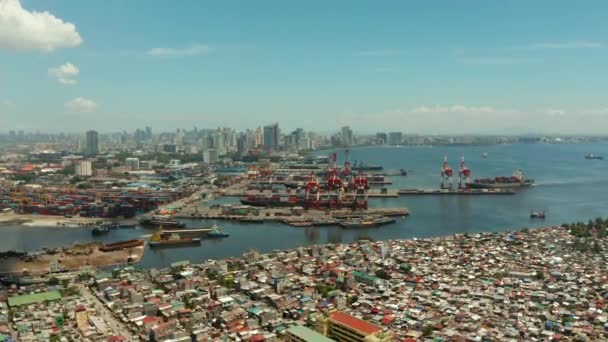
x: 395, y: 138
x: 92, y: 147
x: 83, y: 168
x: 347, y: 136
x: 271, y: 137
x: 132, y: 163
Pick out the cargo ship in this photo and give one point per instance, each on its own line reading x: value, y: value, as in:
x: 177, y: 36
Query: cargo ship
x: 173, y: 240
x: 517, y: 180
x: 290, y: 201
x: 365, y: 222
x: 120, y: 245
x: 187, y: 232
x: 165, y: 223
x: 592, y: 156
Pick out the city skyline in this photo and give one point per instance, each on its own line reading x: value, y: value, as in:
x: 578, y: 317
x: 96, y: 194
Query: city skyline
x: 413, y: 67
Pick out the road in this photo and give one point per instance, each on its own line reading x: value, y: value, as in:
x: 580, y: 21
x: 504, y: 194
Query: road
x: 114, y: 324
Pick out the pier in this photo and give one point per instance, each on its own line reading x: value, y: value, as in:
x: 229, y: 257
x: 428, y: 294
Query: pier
x: 253, y: 215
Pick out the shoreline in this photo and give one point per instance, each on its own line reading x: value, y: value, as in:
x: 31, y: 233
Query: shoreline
x: 52, y: 221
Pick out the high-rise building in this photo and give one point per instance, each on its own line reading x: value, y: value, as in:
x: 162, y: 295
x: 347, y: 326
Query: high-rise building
x: 210, y: 156
x: 242, y: 144
x: 272, y: 136
x: 347, y: 136
x: 132, y: 163
x: 92, y: 147
x: 395, y: 138
x: 381, y: 138
x: 83, y: 168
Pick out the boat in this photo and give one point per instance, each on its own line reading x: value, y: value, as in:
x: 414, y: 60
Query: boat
x: 216, y: 232
x: 165, y: 223
x: 185, y: 232
x: 517, y: 180
x: 366, y: 167
x: 535, y: 214
x: 592, y: 156
x: 120, y: 245
x: 100, y: 230
x: 484, y: 155
x: 158, y: 240
x: 324, y: 222
x: 403, y: 172
x: 276, y: 201
x: 365, y: 222
x: 305, y: 223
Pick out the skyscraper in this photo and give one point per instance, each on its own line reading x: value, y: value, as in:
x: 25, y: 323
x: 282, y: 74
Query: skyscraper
x: 271, y: 137
x: 347, y: 136
x: 395, y: 138
x: 92, y: 147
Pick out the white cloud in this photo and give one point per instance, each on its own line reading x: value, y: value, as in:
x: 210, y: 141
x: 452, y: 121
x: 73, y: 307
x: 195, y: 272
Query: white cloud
x: 459, y: 109
x: 80, y: 105
x: 21, y: 29
x: 380, y: 52
x: 568, y: 45
x: 553, y: 112
x: 194, y: 50
x: 8, y: 104
x: 492, y: 60
x: 65, y: 74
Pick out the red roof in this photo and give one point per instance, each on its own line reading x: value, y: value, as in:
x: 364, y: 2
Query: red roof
x: 354, y: 323
x: 257, y: 338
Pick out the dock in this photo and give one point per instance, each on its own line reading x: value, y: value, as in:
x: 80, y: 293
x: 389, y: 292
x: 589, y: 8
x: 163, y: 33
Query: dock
x: 240, y: 192
x: 285, y: 214
x: 464, y: 192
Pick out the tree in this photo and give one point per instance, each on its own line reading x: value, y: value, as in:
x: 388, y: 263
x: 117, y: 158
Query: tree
x: 53, y: 281
x: 382, y: 274
x: 427, y: 330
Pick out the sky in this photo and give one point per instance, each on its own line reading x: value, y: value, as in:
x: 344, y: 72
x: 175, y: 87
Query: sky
x: 493, y: 67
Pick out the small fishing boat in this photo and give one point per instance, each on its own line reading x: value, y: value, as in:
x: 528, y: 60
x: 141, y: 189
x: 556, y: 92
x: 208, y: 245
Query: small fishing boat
x: 536, y: 214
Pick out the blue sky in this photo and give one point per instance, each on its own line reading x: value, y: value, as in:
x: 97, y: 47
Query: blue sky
x: 417, y: 66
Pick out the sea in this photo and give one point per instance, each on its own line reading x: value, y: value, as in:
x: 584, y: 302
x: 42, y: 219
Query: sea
x: 567, y: 187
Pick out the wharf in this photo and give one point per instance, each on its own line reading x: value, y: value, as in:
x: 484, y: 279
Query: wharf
x: 465, y: 192
x: 287, y: 214
x: 371, y: 193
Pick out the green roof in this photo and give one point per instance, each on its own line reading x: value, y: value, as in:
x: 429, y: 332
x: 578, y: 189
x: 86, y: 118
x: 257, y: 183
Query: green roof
x: 34, y: 298
x: 307, y: 334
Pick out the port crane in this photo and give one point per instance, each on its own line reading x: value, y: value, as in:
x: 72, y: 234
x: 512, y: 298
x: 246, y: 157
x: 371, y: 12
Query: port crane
x: 446, y: 175
x: 464, y: 174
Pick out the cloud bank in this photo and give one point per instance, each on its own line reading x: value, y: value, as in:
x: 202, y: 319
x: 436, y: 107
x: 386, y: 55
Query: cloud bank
x: 21, y: 29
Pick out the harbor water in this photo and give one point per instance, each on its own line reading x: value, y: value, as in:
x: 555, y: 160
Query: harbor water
x: 568, y: 187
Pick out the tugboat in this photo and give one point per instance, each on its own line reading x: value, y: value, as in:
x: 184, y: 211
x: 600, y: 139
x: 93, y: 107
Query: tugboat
x: 537, y: 214
x: 592, y: 156
x: 403, y: 172
x: 216, y: 232
x: 100, y: 230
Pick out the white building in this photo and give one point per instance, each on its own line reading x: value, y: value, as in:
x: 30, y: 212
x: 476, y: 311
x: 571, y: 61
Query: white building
x: 174, y: 162
x: 132, y: 163
x: 84, y: 168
